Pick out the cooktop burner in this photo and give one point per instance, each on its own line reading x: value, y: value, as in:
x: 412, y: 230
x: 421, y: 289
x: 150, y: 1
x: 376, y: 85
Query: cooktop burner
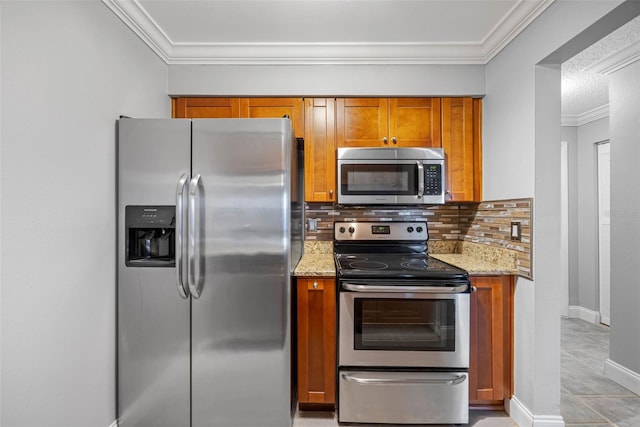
x: 388, y: 250
x: 395, y: 265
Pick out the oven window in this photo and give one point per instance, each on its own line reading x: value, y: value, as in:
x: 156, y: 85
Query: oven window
x: 404, y: 324
x: 379, y: 179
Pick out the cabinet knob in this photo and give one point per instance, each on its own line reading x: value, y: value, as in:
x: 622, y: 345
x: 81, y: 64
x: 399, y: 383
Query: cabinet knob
x: 331, y: 194
x: 394, y: 140
x: 385, y: 140
x: 315, y: 285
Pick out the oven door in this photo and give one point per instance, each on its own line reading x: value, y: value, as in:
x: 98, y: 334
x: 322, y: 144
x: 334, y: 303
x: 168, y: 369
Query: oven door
x: 403, y: 329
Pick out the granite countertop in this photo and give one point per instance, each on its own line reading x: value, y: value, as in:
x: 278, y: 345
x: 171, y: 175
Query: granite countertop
x: 475, y: 266
x: 476, y: 259
x: 317, y: 260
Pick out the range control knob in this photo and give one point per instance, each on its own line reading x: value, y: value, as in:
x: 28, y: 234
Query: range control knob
x: 341, y: 230
x: 419, y: 229
x: 351, y: 230
x: 409, y: 229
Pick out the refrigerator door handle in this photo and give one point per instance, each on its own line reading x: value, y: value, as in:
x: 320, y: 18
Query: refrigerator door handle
x: 183, y: 288
x: 195, y: 284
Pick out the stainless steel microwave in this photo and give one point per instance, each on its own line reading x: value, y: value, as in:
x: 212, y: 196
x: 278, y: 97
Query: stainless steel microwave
x: 391, y: 176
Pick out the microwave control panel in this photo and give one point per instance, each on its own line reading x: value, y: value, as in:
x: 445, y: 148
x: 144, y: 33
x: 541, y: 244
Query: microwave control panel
x: 432, y: 180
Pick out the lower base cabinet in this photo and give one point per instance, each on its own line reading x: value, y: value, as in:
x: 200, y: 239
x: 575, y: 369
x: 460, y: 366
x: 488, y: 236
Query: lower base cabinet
x: 316, y: 334
x: 490, y: 361
x: 491, y: 355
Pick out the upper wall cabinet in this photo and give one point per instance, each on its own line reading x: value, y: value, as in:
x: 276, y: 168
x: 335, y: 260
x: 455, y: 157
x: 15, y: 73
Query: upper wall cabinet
x: 388, y: 122
x: 319, y: 150
x: 207, y: 107
x: 275, y: 108
x: 462, y: 143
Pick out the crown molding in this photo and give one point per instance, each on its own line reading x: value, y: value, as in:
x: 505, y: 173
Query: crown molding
x: 518, y: 18
x: 142, y: 24
x: 586, y: 117
x: 616, y: 61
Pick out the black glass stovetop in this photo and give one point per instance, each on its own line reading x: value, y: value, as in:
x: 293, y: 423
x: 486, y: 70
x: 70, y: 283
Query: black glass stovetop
x: 386, y: 265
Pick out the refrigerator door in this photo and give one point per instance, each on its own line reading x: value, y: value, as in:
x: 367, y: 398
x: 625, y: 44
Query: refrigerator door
x: 153, y: 317
x: 241, y: 357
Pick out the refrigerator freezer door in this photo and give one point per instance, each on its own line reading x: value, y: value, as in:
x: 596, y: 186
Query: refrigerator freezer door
x: 153, y: 319
x: 241, y: 360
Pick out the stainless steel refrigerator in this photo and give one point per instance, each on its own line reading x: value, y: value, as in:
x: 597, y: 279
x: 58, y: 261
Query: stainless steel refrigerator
x: 209, y: 228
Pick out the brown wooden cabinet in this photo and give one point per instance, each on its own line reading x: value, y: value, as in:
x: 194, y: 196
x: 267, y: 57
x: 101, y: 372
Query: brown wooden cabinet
x: 205, y: 108
x: 491, y: 357
x: 319, y: 150
x: 388, y: 122
x: 275, y: 108
x: 316, y: 324
x: 462, y: 143
x: 214, y: 107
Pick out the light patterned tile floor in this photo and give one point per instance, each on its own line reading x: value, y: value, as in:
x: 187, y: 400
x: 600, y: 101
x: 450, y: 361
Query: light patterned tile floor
x: 476, y: 419
x: 588, y: 398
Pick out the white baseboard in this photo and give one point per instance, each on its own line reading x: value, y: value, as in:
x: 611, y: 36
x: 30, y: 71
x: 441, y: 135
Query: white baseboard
x: 588, y: 315
x: 523, y: 417
x: 623, y: 376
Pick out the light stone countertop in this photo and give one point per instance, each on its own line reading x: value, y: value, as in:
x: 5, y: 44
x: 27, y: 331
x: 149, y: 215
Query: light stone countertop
x: 316, y: 265
x: 317, y: 260
x: 475, y: 266
x: 476, y: 259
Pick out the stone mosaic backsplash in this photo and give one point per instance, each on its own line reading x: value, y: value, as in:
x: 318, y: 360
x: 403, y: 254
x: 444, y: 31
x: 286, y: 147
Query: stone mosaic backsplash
x: 491, y: 226
x: 487, y: 223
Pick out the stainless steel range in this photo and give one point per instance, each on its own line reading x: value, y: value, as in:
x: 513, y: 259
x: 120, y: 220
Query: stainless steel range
x: 403, y: 327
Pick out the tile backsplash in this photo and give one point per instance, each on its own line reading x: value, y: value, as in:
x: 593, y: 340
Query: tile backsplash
x: 487, y: 223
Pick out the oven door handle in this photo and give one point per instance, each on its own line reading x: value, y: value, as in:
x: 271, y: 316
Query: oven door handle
x: 458, y: 379
x: 354, y: 287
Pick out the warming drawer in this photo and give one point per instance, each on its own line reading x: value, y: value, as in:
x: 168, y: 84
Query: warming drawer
x: 404, y: 397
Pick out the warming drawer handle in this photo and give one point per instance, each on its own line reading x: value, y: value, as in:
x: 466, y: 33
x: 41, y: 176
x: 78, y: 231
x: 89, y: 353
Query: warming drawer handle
x: 183, y: 288
x: 195, y: 284
x: 420, y: 179
x: 459, y: 379
x: 404, y: 289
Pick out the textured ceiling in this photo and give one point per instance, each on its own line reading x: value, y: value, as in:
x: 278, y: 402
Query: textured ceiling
x: 584, y: 89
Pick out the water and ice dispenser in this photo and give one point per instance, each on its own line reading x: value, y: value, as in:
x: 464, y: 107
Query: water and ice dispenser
x: 150, y: 236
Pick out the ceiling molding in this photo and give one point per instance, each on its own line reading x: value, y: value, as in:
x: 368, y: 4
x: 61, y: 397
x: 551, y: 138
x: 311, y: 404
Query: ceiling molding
x: 418, y: 53
x: 518, y: 18
x: 617, y: 60
x: 586, y: 117
x: 137, y: 19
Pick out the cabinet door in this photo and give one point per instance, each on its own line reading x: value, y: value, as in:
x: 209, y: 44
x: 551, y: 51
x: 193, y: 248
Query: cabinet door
x: 362, y: 122
x: 319, y: 150
x: 275, y: 108
x: 461, y: 140
x: 205, y: 108
x: 316, y: 340
x: 490, y: 362
x: 414, y: 122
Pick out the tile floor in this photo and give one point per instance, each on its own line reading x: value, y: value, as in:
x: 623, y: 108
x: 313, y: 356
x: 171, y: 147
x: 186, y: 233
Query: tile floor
x: 476, y: 419
x: 588, y: 398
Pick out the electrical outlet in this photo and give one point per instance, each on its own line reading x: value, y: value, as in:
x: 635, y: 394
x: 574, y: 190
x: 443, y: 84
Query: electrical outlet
x: 312, y: 224
x: 516, y: 230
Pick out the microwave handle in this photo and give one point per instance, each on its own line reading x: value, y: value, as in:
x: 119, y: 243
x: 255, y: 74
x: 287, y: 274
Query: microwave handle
x: 420, y: 179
